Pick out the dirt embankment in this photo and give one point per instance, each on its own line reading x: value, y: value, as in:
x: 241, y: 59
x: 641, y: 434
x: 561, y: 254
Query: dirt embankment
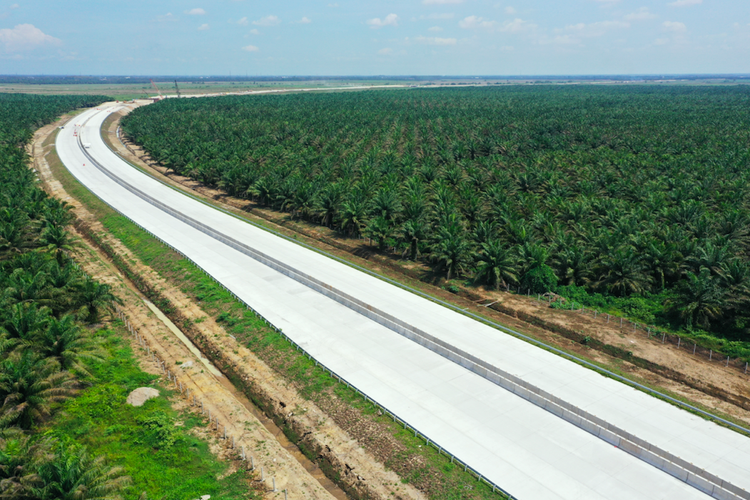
x: 665, y: 365
x: 264, y: 439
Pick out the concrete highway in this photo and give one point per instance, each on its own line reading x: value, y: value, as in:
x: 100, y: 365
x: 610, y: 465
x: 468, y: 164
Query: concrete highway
x: 362, y: 328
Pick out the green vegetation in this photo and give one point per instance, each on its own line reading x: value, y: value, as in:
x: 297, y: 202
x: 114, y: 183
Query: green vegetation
x: 632, y: 193
x: 53, y: 358
x: 414, y: 462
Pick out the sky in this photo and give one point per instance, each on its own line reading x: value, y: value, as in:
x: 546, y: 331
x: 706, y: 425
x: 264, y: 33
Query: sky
x: 374, y: 37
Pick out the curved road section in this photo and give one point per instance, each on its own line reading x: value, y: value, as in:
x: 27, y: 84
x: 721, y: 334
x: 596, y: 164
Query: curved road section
x: 539, y: 426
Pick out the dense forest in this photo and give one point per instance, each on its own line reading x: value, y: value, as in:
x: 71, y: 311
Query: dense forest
x: 637, y: 194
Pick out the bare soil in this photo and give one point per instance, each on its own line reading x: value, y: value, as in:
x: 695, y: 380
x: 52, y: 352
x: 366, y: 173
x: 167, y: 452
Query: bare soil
x: 725, y: 390
x: 363, y: 475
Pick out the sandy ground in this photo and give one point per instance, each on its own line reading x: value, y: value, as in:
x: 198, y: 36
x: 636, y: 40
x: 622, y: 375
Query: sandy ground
x: 262, y: 440
x: 694, y: 377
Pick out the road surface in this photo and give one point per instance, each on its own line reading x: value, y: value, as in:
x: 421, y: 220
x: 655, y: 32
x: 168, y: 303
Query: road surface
x: 528, y: 451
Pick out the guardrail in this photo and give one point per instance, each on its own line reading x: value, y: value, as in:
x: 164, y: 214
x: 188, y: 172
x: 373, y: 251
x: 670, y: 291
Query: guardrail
x: 428, y: 441
x: 673, y: 465
x: 481, y: 319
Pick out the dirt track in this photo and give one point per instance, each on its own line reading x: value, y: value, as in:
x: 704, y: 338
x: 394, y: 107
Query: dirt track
x: 261, y: 439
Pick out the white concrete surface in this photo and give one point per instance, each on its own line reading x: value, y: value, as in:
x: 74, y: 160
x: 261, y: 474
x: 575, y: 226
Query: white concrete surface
x: 521, y: 447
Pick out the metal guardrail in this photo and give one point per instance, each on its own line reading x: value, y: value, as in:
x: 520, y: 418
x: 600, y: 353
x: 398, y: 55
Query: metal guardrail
x: 477, y: 317
x: 289, y: 271
x: 637, y: 447
x: 429, y: 442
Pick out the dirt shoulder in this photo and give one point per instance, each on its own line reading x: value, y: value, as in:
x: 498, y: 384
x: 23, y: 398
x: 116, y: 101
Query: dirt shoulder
x: 710, y: 384
x: 159, y: 349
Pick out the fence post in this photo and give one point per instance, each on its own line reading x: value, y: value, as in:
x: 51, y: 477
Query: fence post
x: 710, y: 354
x: 694, y: 346
x: 679, y: 341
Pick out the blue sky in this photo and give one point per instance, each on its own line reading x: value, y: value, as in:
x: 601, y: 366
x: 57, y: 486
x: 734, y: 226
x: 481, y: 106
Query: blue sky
x: 357, y: 37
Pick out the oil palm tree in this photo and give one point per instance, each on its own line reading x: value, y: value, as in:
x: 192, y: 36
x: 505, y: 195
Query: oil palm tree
x: 25, y: 321
x: 379, y: 229
x: 92, y: 298
x: 413, y: 232
x: 452, y: 251
x: 67, y: 344
x: 498, y: 265
x: 29, y: 386
x: 623, y: 273
x: 353, y: 216
x: 328, y: 203
x: 20, y: 457
x: 700, y: 300
x: 73, y: 474
x: 58, y: 241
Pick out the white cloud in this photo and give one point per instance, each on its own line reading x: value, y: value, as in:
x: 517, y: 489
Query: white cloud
x: 267, y: 21
x: 510, y: 10
x: 254, y: 32
x: 685, y: 3
x: 561, y: 40
x: 196, y: 12
x: 203, y: 27
x: 517, y: 26
x: 642, y: 14
x: 334, y: 5
x: 25, y: 37
x: 386, y: 51
x: 445, y: 15
x: 242, y: 22
x: 435, y: 28
x: 14, y: 6
x: 305, y: 20
x: 441, y: 2
x: 474, y: 22
x: 674, y: 26
x: 607, y: 2
x: 250, y: 48
x: 389, y: 20
x: 595, y: 29
x: 431, y: 40
x: 166, y: 18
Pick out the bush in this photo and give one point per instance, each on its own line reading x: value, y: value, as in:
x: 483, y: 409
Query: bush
x: 541, y: 279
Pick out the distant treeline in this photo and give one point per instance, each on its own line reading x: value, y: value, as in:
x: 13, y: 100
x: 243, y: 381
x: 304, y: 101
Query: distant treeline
x: 122, y: 79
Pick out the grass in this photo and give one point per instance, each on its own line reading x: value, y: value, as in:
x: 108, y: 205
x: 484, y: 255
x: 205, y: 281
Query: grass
x: 433, y: 473
x: 153, y: 443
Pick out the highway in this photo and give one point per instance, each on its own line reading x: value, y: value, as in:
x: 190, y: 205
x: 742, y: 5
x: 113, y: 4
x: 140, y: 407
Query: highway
x: 374, y: 335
